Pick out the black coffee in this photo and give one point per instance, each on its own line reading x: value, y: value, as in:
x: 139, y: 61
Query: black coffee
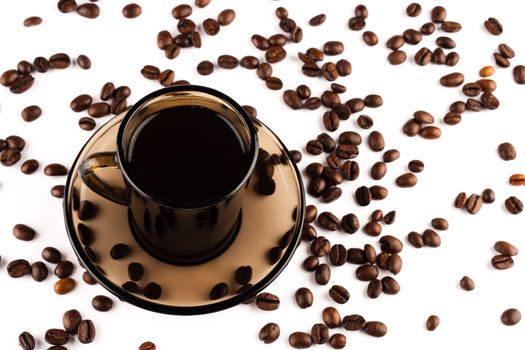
x: 187, y: 154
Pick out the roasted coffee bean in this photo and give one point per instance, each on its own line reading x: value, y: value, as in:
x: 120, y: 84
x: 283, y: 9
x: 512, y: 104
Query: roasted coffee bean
x: 331, y: 317
x: 278, y: 40
x: 15, y: 143
x: 467, y: 284
x: 374, y: 289
x: 260, y: 42
x: 473, y: 105
x: 333, y: 176
x: 181, y: 11
x: 450, y: 26
x: 66, y: 6
x: 181, y: 40
x: 397, y: 57
x: 331, y: 194
x: 330, y: 99
x: 373, y: 101
x: 315, y: 169
x: 205, y: 68
x: 152, y: 291
x: 337, y: 255
x: 81, y: 103
x: 501, y: 60
x: 339, y: 294
x: 423, y: 117
x: 31, y: 113
x: 322, y: 274
x: 350, y: 223
x: 39, y: 271
x: 356, y: 256
x: 71, y: 320
x: 438, y: 56
x: 290, y: 97
x: 350, y: 138
x: 505, y: 248
x: 502, y: 262
x: 473, y: 203
x: 320, y: 246
x: 432, y: 322
x: 29, y: 166
x: 493, y: 26
x: 51, y: 255
x: 332, y: 48
x: 59, y: 61
x: 311, y: 263
x: 363, y: 196
x: 88, y: 279
x: 24, y: 67
x: 488, y: 196
x: 86, y: 332
x: 452, y: 118
x: 370, y: 38
x: 350, y: 170
x: 64, y: 269
x: 227, y: 61
x: 337, y: 341
x: 353, y: 322
x: 269, y: 333
x: 274, y: 83
x: 390, y: 285
x: 23, y: 232
x: 319, y: 333
x: 310, y: 214
x: 226, y: 17
x: 391, y: 244
x: 107, y: 91
x: 26, y: 341
x: 131, y: 287
x: 135, y: 271
x: 423, y: 56
x: 333, y: 161
x: 186, y: 26
x: 243, y: 275
x: 431, y: 238
x: 287, y: 25
x: 218, y: 291
x: 339, y: 89
x: 367, y: 272
x: 430, y: 132
x: 458, y: 107
x: 55, y: 336
x: 211, y: 26
x: 389, y: 217
x: 413, y: 10
x: 304, y: 298
x: 471, y: 89
x: 249, y: 62
x: 55, y: 169
x: 202, y: 3
x: 513, y: 205
x: 452, y: 79
x: 41, y: 64
x: 406, y: 180
x: 506, y: 51
x: 166, y: 77
x: 395, y: 42
x: 275, y: 54
x: 99, y: 109
x: 147, y: 346
x: 506, y: 151
x: 267, y: 301
x: 164, y: 39
x: 118, y: 105
x: 21, y: 84
x: 519, y: 74
x: 18, y: 268
x: 84, y: 62
x: 355, y: 104
x: 412, y: 36
x: 361, y: 11
x: 439, y: 224
x: 316, y: 186
x: 489, y: 101
x: 510, y: 317
x: 172, y: 51
x: 412, y: 128
x: 8, y: 77
x: 10, y: 157
x: 88, y: 10
x: 375, y: 328
x: 445, y: 42
x: 327, y: 142
x: 87, y: 123
x: 300, y: 340
x: 378, y: 170
x: 416, y: 239
x: 517, y: 180
x: 102, y: 303
x: 365, y: 122
x: 264, y: 71
x: 356, y: 23
x: 347, y: 151
x: 344, y: 67
x: 296, y: 35
x: 329, y: 71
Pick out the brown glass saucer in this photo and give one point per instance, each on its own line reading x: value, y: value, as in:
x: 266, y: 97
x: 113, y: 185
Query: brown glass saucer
x: 268, y: 236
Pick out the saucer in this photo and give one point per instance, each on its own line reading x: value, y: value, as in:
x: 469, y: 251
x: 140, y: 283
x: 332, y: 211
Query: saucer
x: 268, y: 236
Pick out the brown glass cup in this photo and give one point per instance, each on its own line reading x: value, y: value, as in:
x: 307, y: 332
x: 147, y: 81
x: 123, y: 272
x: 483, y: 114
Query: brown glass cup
x: 184, y: 233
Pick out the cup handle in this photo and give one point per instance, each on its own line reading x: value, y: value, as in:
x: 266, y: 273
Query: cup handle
x: 87, y: 172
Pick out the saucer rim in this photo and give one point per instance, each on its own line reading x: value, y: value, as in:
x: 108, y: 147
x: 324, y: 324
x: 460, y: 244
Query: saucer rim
x: 131, y: 298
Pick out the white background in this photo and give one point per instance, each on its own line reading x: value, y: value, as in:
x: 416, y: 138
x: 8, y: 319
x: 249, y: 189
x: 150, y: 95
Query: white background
x: 464, y: 159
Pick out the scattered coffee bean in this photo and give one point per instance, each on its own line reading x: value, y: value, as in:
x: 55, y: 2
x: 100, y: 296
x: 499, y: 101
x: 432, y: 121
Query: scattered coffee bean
x: 502, y: 262
x: 337, y: 255
x: 300, y: 340
x: 55, y: 336
x: 375, y: 328
x: 406, y: 180
x: 339, y: 294
x: 337, y: 341
x: 26, y: 341
x: 514, y: 205
x: 102, y: 303
x: 39, y: 271
x: 356, y: 23
x: 331, y: 317
x: 431, y: 238
x: 71, y: 320
x: 467, y: 284
x: 205, y: 68
x: 390, y: 285
x: 493, y: 26
x: 18, y: 268
x: 304, y: 298
x: 322, y: 274
x: 507, y: 151
x: 488, y: 196
x: 432, y: 322
x: 416, y: 239
x: 51, y: 255
x: 131, y: 10
x: 328, y: 221
x: 64, y: 285
x: 218, y: 291
x: 55, y: 169
x: 510, y: 317
x: 353, y: 322
x: 23, y: 232
x: 413, y: 9
x: 452, y: 79
x: 439, y: 224
x: 363, y: 196
x: 269, y: 333
x: 86, y: 332
x: 64, y: 269
x: 397, y: 57
x: 267, y: 301
x: 367, y: 272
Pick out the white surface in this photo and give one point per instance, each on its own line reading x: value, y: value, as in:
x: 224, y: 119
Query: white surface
x: 464, y: 159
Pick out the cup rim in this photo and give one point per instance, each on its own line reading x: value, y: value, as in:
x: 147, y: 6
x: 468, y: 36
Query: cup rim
x: 254, y: 144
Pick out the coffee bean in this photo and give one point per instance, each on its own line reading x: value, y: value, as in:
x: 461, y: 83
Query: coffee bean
x: 316, y: 187
x: 300, y: 340
x: 344, y: 67
x: 502, y: 262
x: 275, y: 54
x: 227, y: 61
x: 269, y: 333
x: 353, y: 322
x: 24, y: 67
x: 88, y: 279
x: 488, y: 196
x: 39, y: 271
x: 310, y: 214
x: 377, y: 215
x: 356, y: 256
x: 412, y: 36
x: 186, y: 26
x: 243, y: 275
x: 267, y: 301
x: 320, y: 246
x: 350, y: 170
x: 86, y: 234
x: 218, y: 291
x: 322, y: 274
x: 493, y: 26
x: 416, y: 239
x: 132, y: 11
x: 507, y: 151
x: 389, y: 217
x: 131, y: 287
x: 423, y: 56
x: 331, y: 99
x: 26, y: 341
x: 328, y: 221
x: 439, y: 224
x: 338, y: 341
x: 489, y: 101
x: 331, y: 317
x: 397, y: 57
x: 8, y: 77
x: 350, y: 223
x: 21, y: 84
x: 23, y: 232
x: 181, y: 11
x: 513, y: 205
x: 87, y: 123
x: 378, y: 170
x: 291, y: 98
x: 88, y: 10
x: 304, y: 298
x: 395, y: 42
x: 406, y: 180
x: 59, y: 61
x: 505, y: 248
x: 471, y: 89
x: 356, y: 23
x: 84, y: 62
x: 55, y: 169
x: 367, y: 272
x: 31, y: 113
x: 102, y: 303
x: 287, y: 25
x: 81, y: 103
x: 64, y: 269
x: 152, y: 291
x: 71, y: 320
x: 166, y: 77
x: 432, y: 322
x: 413, y: 10
x: 172, y: 51
x: 506, y: 51
x: 373, y: 101
x: 332, y: 48
x: 452, y: 118
x: 99, y: 109
x: 18, y: 268
x: 51, y: 255
x: 319, y: 333
x: 331, y: 194
x: 438, y: 56
x: 10, y: 157
x: 517, y: 180
x: 390, y: 285
x: 501, y: 61
x: 361, y: 11
x: 430, y: 132
x: 205, y: 68
x: 431, y: 238
x: 135, y: 271
x: 450, y: 26
x: 315, y: 169
x: 339, y: 294
x: 473, y: 203
x: 452, y: 79
x: 445, y: 42
x: 164, y: 39
x: 86, y: 332
x: 467, y: 284
x: 202, y: 3
x: 375, y: 328
x: 376, y: 141
x: 363, y: 196
x: 337, y: 255
x: 510, y: 317
x: 391, y: 244
x: 347, y: 151
x: 311, y: 263
x: 55, y: 336
x: 416, y: 166
x: 317, y: 20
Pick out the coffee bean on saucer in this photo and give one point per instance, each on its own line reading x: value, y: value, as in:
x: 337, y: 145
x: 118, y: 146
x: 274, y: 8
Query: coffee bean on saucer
x: 218, y: 291
x: 339, y: 294
x: 304, y: 298
x: 243, y: 275
x: 269, y: 333
x: 274, y: 254
x: 85, y: 234
x: 86, y: 332
x: 55, y: 336
x: 51, y: 255
x: 87, y: 210
x: 64, y: 285
x: 120, y: 251
x: 29, y: 166
x: 102, y: 303
x: 131, y: 287
x: 64, y: 269
x: 26, y: 341
x: 71, y: 319
x: 322, y: 274
x: 267, y: 301
x: 18, y: 268
x: 152, y: 291
x: 135, y: 271
x: 23, y: 232
x: 39, y: 271
x: 319, y: 333
x: 300, y: 340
